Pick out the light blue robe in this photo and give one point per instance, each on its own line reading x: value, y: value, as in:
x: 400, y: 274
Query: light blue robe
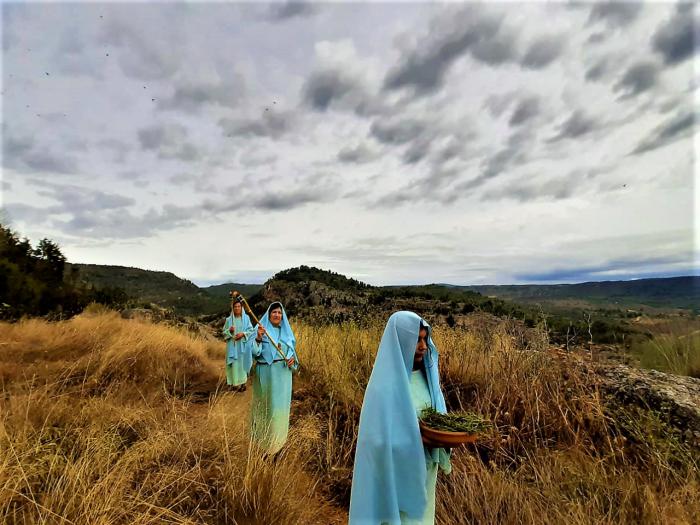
x: 272, y: 385
x: 391, y: 482
x: 238, y: 353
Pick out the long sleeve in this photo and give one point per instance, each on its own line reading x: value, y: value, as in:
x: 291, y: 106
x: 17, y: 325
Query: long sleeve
x: 291, y: 352
x: 248, y: 332
x: 226, y: 330
x: 255, y: 347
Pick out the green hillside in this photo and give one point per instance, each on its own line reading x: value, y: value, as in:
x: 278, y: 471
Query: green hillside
x: 671, y: 292
x: 146, y: 286
x: 222, y: 290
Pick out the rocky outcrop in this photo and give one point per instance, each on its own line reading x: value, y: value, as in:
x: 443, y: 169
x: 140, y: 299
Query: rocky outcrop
x: 308, y: 295
x: 676, y: 399
x: 143, y: 314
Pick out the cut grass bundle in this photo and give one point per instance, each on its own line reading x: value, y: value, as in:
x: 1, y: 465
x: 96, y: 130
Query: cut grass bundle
x: 455, y: 421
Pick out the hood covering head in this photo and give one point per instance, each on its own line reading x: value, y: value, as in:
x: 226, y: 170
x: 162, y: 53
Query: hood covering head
x: 389, y: 475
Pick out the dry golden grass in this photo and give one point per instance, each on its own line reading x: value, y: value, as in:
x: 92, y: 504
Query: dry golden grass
x: 96, y: 352
x: 674, y: 347
x: 99, y: 424
x: 557, y: 456
x: 104, y: 420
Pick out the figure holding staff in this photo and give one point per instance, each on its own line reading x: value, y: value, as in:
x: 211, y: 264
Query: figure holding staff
x: 237, y: 331
x: 274, y: 350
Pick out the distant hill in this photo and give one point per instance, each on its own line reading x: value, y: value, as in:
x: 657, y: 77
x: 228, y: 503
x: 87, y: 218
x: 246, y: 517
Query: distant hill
x: 670, y: 292
x: 147, y: 286
x: 326, y: 296
x: 222, y: 290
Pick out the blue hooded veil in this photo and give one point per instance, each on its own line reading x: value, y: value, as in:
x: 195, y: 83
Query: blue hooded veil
x: 239, y: 349
x: 289, y: 343
x: 389, y: 474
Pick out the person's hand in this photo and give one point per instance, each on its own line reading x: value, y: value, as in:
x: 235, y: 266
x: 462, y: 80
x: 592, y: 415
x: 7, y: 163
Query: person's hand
x: 290, y: 362
x: 239, y: 336
x: 261, y: 332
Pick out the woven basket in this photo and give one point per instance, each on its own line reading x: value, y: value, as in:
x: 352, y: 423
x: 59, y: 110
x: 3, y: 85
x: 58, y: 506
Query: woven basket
x: 442, y: 438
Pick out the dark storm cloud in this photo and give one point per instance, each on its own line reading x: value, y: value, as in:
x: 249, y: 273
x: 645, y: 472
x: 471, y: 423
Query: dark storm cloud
x: 271, y: 124
x: 192, y: 96
x: 76, y: 198
x: 636, y: 268
x: 529, y: 188
x: 122, y: 224
x: 527, y: 109
x: 416, y: 134
x: 169, y: 141
x: 292, y: 9
x: 316, y: 188
x: 331, y: 88
x: 182, y: 179
x: 598, y: 70
x: 289, y: 200
x: 15, y: 147
x: 677, y: 38
x: 577, y: 125
x: 676, y: 128
x: 323, y: 87
x: 514, y: 153
x: 498, y: 104
x: 615, y: 12
x: 470, y: 31
x: 597, y: 38
x: 24, y: 154
x: 639, y: 77
x: 157, y: 136
x: 99, y: 214
x: 475, y: 32
x: 359, y: 154
x: 399, y: 131
x: 543, y: 51
x: 296, y: 193
x: 48, y: 161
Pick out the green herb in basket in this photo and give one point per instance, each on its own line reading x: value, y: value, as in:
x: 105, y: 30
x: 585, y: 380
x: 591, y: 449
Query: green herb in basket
x: 454, y: 421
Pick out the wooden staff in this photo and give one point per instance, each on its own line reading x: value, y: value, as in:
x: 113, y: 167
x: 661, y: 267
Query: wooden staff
x: 233, y: 321
x: 239, y: 297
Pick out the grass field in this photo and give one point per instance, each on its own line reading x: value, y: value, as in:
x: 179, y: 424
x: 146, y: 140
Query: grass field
x: 106, y: 420
x: 674, y: 346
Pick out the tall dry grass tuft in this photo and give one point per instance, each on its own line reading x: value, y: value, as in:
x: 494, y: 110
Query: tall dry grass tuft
x: 175, y: 463
x: 98, y: 352
x: 537, y: 398
x: 674, y: 348
x: 561, y: 486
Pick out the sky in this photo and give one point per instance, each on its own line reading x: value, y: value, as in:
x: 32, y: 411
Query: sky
x: 396, y: 143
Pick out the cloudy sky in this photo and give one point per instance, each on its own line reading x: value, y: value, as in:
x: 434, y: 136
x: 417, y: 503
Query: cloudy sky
x: 395, y: 143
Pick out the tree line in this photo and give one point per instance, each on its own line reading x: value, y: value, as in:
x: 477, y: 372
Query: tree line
x: 34, y: 281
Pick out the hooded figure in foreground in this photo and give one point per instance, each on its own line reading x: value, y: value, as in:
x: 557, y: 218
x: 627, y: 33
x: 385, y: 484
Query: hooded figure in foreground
x: 272, y: 384
x: 395, y: 474
x: 237, y: 331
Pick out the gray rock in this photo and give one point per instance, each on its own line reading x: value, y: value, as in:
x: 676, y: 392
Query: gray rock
x: 675, y: 398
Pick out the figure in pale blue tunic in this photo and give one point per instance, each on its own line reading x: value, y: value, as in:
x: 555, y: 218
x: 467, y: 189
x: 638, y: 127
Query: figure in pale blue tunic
x: 238, y: 330
x: 395, y: 473
x: 272, y: 383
